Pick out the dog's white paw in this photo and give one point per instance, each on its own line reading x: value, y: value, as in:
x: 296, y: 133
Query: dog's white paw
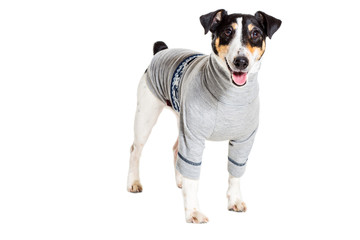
x: 196, y: 217
x: 135, y: 187
x: 237, y: 206
x: 235, y: 202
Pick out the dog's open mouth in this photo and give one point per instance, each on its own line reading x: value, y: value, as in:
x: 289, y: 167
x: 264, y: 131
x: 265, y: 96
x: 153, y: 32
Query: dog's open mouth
x: 238, y: 78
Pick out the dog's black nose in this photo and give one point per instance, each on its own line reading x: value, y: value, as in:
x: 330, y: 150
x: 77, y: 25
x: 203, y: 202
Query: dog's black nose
x: 241, y: 62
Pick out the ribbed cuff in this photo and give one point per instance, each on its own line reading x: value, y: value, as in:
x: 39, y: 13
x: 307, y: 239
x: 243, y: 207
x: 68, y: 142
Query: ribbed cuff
x: 236, y: 169
x: 187, y: 168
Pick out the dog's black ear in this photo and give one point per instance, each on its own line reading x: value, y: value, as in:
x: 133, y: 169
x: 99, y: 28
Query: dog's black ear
x: 212, y: 20
x: 269, y: 23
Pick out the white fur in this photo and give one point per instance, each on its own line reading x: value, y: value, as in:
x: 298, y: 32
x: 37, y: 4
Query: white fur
x: 235, y: 46
x: 235, y: 200
x: 191, y: 202
x: 178, y: 176
x: 147, y: 111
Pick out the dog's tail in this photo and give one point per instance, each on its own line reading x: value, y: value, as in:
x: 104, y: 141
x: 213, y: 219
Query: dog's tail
x: 158, y: 46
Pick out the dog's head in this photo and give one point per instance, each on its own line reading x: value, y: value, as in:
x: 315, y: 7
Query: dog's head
x: 238, y: 40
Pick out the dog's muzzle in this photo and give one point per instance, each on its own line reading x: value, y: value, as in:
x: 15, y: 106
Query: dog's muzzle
x: 238, y: 76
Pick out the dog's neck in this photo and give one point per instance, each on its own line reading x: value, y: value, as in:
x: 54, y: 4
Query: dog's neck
x: 217, y: 81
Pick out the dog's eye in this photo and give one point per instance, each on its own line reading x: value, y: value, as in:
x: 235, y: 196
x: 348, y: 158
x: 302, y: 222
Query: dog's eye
x: 228, y: 31
x: 255, y: 34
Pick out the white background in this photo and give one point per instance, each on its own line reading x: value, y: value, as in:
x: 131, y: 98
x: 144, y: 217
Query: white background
x: 68, y: 77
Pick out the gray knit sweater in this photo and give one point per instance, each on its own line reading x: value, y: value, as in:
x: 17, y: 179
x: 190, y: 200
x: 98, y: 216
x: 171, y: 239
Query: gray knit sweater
x: 210, y: 107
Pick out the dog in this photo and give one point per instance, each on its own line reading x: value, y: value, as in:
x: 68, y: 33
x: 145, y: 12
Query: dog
x: 215, y: 97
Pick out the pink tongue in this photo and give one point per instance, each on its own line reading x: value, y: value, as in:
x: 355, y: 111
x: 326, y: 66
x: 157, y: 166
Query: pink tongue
x: 239, y: 78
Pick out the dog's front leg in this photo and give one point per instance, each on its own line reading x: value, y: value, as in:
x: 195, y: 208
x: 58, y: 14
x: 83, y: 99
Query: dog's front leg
x: 191, y: 202
x: 239, y: 151
x: 235, y: 202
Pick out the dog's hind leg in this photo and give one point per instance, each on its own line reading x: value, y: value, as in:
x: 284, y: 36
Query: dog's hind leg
x: 178, y: 175
x: 148, y: 110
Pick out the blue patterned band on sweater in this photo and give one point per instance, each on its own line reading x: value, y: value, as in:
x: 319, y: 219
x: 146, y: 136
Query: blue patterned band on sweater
x: 176, y: 81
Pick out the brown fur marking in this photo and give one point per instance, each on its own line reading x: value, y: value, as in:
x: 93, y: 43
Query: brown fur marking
x: 234, y: 26
x: 252, y: 49
x: 250, y: 27
x: 262, y: 50
x: 221, y: 49
x: 259, y: 50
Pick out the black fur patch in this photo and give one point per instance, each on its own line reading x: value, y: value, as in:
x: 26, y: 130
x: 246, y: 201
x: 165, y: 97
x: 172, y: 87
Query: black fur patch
x: 226, y: 23
x: 249, y: 20
x: 158, y: 46
x: 269, y: 23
